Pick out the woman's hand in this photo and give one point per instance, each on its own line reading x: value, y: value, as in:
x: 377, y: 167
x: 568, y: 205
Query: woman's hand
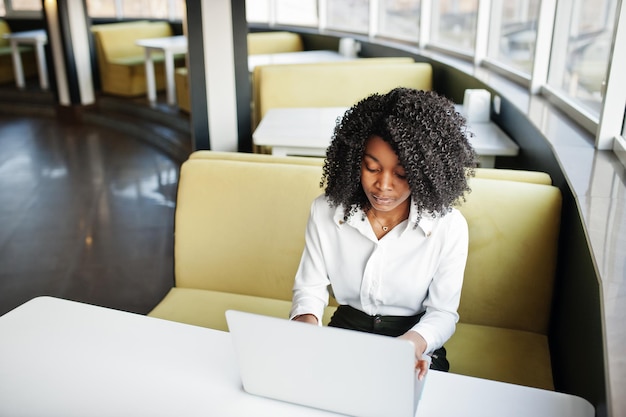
x: 306, y: 318
x: 421, y: 364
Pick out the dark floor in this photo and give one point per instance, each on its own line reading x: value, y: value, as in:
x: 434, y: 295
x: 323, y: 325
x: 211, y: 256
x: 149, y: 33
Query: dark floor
x: 86, y: 213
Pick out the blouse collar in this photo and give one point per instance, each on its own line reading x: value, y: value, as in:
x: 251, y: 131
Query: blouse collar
x: 426, y: 223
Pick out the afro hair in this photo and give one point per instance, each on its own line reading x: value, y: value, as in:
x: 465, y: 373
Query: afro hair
x: 427, y: 134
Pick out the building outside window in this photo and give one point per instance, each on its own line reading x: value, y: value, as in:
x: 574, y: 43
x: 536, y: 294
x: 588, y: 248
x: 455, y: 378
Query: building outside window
x: 296, y: 12
x: 24, y: 5
x: 101, y: 8
x: 581, y: 51
x: 399, y: 19
x: 454, y: 25
x: 258, y: 11
x: 348, y: 15
x: 513, y: 33
x: 149, y: 9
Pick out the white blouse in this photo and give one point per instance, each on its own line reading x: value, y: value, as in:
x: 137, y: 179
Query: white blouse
x: 408, y: 271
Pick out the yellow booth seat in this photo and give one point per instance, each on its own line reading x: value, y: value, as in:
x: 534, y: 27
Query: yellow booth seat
x: 258, y: 71
x: 239, y: 234
x: 121, y: 62
x: 333, y: 84
x: 273, y: 42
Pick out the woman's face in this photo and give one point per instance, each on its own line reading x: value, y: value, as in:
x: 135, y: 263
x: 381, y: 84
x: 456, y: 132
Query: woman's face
x: 383, y: 178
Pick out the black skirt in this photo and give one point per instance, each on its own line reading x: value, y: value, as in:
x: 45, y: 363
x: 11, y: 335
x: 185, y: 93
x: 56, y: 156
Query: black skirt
x: 350, y: 318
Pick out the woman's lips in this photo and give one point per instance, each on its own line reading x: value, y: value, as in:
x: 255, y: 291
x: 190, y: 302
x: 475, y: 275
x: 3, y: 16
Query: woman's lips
x: 382, y: 200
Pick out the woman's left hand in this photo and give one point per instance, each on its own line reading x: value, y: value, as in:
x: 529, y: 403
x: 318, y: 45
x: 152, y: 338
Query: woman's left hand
x: 421, y: 364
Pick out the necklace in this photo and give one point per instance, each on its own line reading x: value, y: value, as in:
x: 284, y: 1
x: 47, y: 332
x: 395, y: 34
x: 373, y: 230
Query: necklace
x: 385, y: 228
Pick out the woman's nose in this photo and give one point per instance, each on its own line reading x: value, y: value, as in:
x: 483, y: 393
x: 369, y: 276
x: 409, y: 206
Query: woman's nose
x: 385, y: 181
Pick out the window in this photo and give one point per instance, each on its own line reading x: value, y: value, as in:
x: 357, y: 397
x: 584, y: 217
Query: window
x: 513, y: 33
x: 399, y: 19
x: 145, y: 8
x: 154, y: 9
x: 21, y: 8
x: 258, y: 11
x: 297, y: 12
x: 101, y: 8
x: 348, y: 15
x: 581, y: 51
x: 454, y: 25
x: 24, y: 5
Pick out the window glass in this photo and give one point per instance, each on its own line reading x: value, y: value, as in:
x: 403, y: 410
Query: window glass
x: 296, y: 12
x: 513, y: 42
x: 587, y: 48
x: 179, y: 10
x: 454, y: 24
x: 258, y: 11
x: 25, y: 5
x: 157, y: 9
x: 348, y: 15
x: 101, y: 8
x: 399, y: 19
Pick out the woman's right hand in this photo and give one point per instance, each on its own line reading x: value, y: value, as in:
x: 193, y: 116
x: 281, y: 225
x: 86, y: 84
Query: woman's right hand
x: 306, y: 318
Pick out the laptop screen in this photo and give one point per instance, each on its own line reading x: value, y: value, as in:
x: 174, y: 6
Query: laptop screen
x: 333, y: 369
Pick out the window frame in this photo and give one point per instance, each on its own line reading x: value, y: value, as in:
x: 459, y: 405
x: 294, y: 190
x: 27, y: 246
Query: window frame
x: 11, y: 12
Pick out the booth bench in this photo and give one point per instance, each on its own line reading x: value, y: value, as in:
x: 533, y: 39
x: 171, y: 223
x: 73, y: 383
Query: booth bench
x: 333, y: 84
x: 121, y: 62
x: 239, y: 235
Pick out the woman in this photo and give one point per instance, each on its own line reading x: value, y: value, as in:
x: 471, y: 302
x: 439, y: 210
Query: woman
x: 385, y: 238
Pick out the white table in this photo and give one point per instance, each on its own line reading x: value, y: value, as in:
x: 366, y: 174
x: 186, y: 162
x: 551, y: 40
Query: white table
x: 302, y: 57
x: 307, y: 131
x: 170, y: 46
x: 64, y: 358
x: 37, y: 38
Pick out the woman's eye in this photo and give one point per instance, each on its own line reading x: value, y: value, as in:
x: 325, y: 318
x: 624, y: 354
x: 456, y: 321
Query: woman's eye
x: 370, y: 169
x: 401, y: 176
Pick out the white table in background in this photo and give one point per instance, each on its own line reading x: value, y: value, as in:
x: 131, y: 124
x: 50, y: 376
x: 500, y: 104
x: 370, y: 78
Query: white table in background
x: 37, y: 38
x: 301, y: 57
x: 302, y: 131
x: 64, y: 358
x: 170, y: 46
x: 307, y: 131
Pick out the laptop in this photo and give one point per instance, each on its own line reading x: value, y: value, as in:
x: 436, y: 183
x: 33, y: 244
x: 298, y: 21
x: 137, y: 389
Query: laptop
x: 343, y: 371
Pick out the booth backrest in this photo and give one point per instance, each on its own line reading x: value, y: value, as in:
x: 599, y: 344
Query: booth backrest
x: 511, y: 266
x: 333, y: 84
x: 116, y: 41
x: 252, y: 243
x: 258, y: 70
x: 240, y: 229
x: 273, y: 42
x: 4, y: 30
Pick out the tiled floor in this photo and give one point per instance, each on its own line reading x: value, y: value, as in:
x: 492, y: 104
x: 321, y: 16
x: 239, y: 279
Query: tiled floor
x: 85, y: 214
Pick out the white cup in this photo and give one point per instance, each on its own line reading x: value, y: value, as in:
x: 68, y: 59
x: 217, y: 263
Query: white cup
x: 477, y: 105
x: 349, y: 47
